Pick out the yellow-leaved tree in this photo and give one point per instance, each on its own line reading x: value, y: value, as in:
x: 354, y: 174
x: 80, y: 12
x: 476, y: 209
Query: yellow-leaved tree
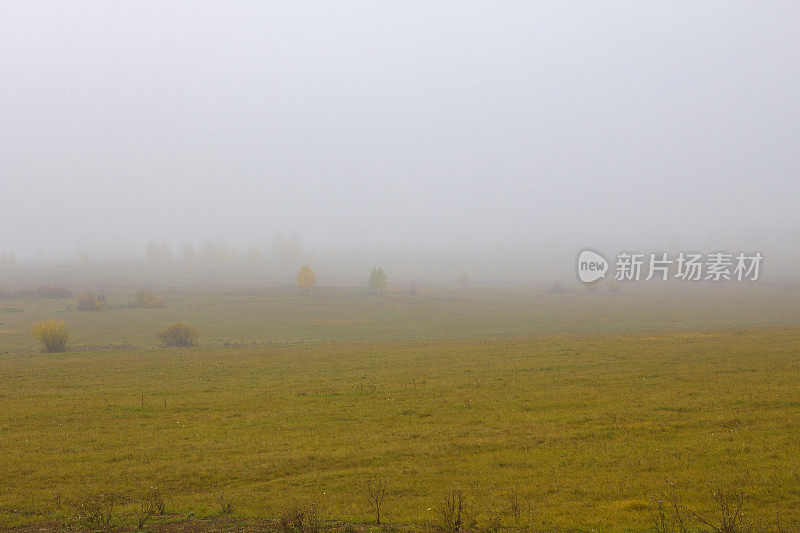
x: 306, y: 278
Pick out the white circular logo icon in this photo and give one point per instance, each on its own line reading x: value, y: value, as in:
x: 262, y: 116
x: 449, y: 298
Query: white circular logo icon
x: 591, y: 266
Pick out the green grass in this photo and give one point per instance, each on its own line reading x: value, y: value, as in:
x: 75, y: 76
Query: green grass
x: 583, y: 429
x: 287, y: 314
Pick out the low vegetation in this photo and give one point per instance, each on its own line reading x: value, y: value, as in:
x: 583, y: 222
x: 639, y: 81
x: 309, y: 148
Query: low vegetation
x: 94, y: 511
x: 52, y: 334
x: 148, y: 300
x: 285, y: 314
x: 376, y: 493
x: 51, y: 292
x: 89, y: 301
x: 726, y: 515
x: 151, y: 504
x: 180, y: 335
x: 546, y: 433
x: 451, y: 514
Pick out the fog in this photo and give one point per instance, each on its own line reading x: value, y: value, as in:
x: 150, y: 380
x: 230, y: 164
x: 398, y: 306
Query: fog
x: 432, y: 131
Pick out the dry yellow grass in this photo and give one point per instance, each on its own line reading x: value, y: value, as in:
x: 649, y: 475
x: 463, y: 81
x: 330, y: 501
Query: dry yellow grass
x: 580, y: 431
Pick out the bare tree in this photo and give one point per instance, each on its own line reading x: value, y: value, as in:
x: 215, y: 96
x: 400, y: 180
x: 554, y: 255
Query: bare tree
x: 376, y: 492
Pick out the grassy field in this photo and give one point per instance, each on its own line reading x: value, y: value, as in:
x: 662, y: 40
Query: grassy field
x: 285, y: 314
x: 548, y: 412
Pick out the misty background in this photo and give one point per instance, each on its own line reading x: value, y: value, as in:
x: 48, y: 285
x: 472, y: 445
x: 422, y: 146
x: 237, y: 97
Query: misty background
x: 432, y: 137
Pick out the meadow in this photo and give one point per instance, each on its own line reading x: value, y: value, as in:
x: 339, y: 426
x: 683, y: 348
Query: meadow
x: 285, y: 314
x: 544, y: 412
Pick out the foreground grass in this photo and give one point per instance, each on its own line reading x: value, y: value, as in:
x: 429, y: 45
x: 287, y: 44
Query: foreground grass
x: 582, y: 432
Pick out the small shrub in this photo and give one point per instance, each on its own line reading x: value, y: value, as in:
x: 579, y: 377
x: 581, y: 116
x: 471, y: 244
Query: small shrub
x: 148, y: 300
x: 515, y: 507
x: 52, y: 334
x: 179, y: 334
x: 225, y: 505
x: 89, y: 301
x: 291, y: 519
x: 95, y: 512
x: 451, y: 512
x: 672, y: 515
x: 301, y: 520
x: 729, y: 503
x: 152, y: 503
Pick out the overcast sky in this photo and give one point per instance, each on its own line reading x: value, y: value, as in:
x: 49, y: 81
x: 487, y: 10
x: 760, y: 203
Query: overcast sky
x: 398, y: 124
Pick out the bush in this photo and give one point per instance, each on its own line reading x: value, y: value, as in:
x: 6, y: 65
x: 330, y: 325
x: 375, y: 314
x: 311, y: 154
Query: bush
x: 151, y: 504
x: 95, y: 512
x: 179, y: 334
x: 52, y: 334
x: 300, y: 519
x: 451, y: 513
x: 673, y: 515
x: 148, y: 300
x: 89, y: 301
